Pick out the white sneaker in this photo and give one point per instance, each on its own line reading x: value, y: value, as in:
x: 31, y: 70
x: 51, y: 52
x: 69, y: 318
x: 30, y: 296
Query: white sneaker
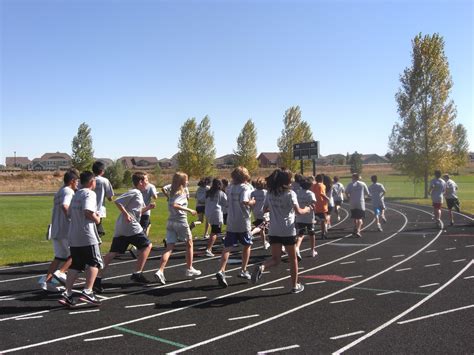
x: 160, y: 277
x: 266, y: 245
x: 314, y: 253
x: 192, y: 272
x: 244, y: 275
x: 206, y: 236
x: 379, y: 227
x: 209, y: 253
x: 60, y: 276
x: 338, y: 218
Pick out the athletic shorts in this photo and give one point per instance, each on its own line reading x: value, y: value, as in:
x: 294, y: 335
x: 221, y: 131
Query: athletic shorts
x: 61, y: 249
x: 291, y: 240
x: 305, y: 228
x: 145, y: 221
x: 452, y: 203
x: 225, y: 218
x: 200, y: 209
x: 357, y: 213
x: 83, y: 257
x: 330, y: 208
x: 321, y: 215
x: 120, y: 244
x: 233, y: 238
x: 378, y: 210
x: 100, y: 229
x: 338, y: 203
x: 177, y: 231
x: 437, y: 205
x: 216, y: 229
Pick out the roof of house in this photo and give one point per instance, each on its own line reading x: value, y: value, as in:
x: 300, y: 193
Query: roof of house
x: 273, y: 157
x: 10, y: 161
x: 55, y: 156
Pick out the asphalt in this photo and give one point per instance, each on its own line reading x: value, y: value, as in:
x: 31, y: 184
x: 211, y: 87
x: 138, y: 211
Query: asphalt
x: 408, y: 289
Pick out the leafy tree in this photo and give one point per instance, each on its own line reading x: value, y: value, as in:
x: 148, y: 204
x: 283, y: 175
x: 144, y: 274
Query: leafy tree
x: 247, y: 147
x: 356, y: 163
x: 157, y: 175
x: 82, y: 151
x: 187, y: 157
x: 421, y: 142
x: 295, y: 131
x: 115, y: 173
x: 127, y: 178
x: 460, y: 148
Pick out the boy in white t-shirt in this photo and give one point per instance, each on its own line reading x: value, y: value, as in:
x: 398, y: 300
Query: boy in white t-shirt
x: 377, y: 192
x: 451, y: 195
x: 103, y: 190
x: 338, y: 195
x: 437, y: 189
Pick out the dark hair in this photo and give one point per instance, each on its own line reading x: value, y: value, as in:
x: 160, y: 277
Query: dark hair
x: 98, y: 167
x: 373, y: 178
x: 327, y: 182
x: 336, y: 178
x: 225, y: 183
x: 86, y: 178
x: 279, y: 181
x: 306, y: 183
x: 215, y: 187
x: 137, y: 177
x: 437, y: 173
x: 203, y: 182
x: 298, y: 178
x: 260, y: 183
x: 69, y: 176
x: 319, y: 178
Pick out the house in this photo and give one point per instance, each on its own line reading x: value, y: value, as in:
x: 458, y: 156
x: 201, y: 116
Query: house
x: 373, y: 159
x: 18, y: 162
x: 266, y: 160
x: 165, y: 163
x: 225, y: 161
x: 139, y: 163
x: 471, y: 156
x: 52, y: 161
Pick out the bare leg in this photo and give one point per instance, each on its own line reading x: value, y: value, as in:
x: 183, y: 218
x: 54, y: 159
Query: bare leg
x: 276, y: 256
x: 142, y: 258
x: 224, y: 259
x: 91, y: 274
x: 189, y: 253
x: 245, y: 256
x: 52, y: 268
x: 293, y: 264
x: 165, y: 257
x: 107, y: 259
x: 71, y: 277
x: 211, y: 241
x: 66, y: 265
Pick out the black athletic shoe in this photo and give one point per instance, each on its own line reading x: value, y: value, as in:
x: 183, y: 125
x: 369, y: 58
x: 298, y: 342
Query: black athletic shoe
x: 140, y: 278
x: 66, y: 300
x: 220, y: 276
x: 97, y: 288
x: 257, y: 273
x: 89, y: 298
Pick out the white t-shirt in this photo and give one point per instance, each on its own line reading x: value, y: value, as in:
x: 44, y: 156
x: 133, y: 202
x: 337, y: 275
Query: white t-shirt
x: 132, y: 201
x: 451, y: 189
x: 282, y: 213
x: 377, y: 192
x: 257, y: 209
x: 176, y: 215
x: 437, y: 186
x: 305, y: 198
x: 148, y: 194
x: 103, y: 189
x: 357, y: 191
x: 82, y: 231
x: 238, y: 213
x: 338, y: 191
x: 59, y: 220
x: 213, y: 210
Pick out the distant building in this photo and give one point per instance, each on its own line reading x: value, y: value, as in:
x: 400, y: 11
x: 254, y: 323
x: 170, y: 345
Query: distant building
x: 18, y: 162
x: 471, y: 156
x: 225, y: 161
x: 267, y: 160
x: 139, y: 163
x: 52, y: 161
x: 374, y: 159
x: 165, y: 163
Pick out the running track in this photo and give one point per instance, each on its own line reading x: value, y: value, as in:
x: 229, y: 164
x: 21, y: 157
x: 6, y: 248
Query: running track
x: 405, y: 290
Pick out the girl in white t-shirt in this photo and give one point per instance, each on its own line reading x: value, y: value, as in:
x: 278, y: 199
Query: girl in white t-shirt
x: 215, y: 200
x: 282, y: 204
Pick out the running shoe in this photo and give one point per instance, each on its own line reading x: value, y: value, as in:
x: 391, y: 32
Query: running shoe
x: 357, y: 235
x: 97, y: 288
x: 66, y: 300
x: 89, y: 298
x: 452, y: 223
x: 194, y: 224
x: 139, y: 278
x: 257, y: 273
x: 206, y: 236
x: 60, y: 276
x: 379, y: 227
x: 298, y: 255
x: 266, y: 245
x: 338, y: 218
x: 244, y: 274
x: 209, y: 253
x: 299, y: 288
x: 192, y: 272
x: 220, y: 276
x: 160, y: 277
x: 314, y: 253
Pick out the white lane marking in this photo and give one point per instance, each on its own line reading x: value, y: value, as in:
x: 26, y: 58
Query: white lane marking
x: 177, y: 327
x: 430, y: 251
x: 101, y: 297
x: 20, y: 278
x: 435, y: 314
x: 373, y: 259
x: 391, y: 321
x: 341, y: 301
x: 405, y: 269
x: 354, y: 277
x: 430, y: 265
x: 314, y: 282
x: 245, y: 317
x: 88, y: 311
x: 20, y: 267
x: 398, y: 256
x: 279, y: 349
x: 140, y: 305
x: 450, y: 248
x: 24, y: 315
x: 32, y: 317
x: 273, y: 288
x: 7, y: 299
x: 346, y: 335
x: 193, y: 299
x: 469, y: 277
x: 113, y: 288
x: 469, y: 246
x: 387, y: 293
x: 459, y: 260
x: 347, y: 262
x: 107, y: 337
x: 429, y: 285
x: 266, y: 272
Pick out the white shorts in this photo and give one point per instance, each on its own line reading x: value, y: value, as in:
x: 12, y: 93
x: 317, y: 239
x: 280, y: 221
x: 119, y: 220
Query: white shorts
x: 61, y: 248
x: 177, y: 231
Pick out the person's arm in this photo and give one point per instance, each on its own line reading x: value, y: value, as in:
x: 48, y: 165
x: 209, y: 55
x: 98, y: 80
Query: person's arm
x: 182, y: 208
x: 125, y: 213
x: 151, y: 206
x: 65, y: 209
x: 93, y: 216
x: 300, y: 211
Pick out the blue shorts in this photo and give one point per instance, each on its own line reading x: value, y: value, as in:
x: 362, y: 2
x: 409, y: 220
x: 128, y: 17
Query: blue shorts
x: 232, y: 238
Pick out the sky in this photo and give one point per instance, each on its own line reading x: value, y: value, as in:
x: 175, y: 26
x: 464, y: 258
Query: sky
x: 136, y: 70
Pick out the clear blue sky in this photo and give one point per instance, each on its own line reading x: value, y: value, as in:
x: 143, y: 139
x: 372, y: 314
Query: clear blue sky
x: 135, y: 70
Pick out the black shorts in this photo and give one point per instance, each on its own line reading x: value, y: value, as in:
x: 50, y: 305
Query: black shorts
x: 100, y: 229
x: 200, y: 209
x: 330, y: 208
x: 88, y: 255
x: 145, y: 221
x: 452, y: 203
x: 338, y: 203
x: 305, y: 228
x: 321, y: 215
x: 357, y: 213
x: 225, y: 218
x: 120, y: 244
x: 291, y: 240
x: 216, y: 229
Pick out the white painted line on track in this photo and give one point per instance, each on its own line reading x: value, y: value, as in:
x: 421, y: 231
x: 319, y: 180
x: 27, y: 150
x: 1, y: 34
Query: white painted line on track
x: 354, y: 277
x: 431, y: 265
x: 452, y: 248
x: 104, y: 338
x: 347, y: 262
x: 7, y: 299
x: 32, y: 317
x: 276, y: 350
x: 458, y: 260
x: 88, y: 311
x: 429, y: 285
x: 21, y: 267
x: 341, y: 301
x: 435, y: 314
x: 21, y: 278
x: 469, y: 246
x: 24, y: 315
x: 314, y: 282
x: 245, y: 317
x: 469, y: 277
x: 347, y: 335
x: 194, y: 299
x: 398, y: 256
x: 373, y: 259
x: 273, y: 288
x: 141, y: 305
x: 405, y: 269
x: 266, y: 272
x: 430, y: 251
x: 387, y: 293
x: 177, y: 327
x: 112, y: 289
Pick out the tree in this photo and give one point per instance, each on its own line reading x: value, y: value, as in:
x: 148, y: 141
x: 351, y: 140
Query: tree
x: 157, y: 175
x: 421, y: 142
x: 82, y: 152
x: 460, y: 148
x: 115, y: 174
x: 127, y: 178
x: 247, y: 148
x: 187, y: 157
x: 355, y: 162
x: 295, y: 131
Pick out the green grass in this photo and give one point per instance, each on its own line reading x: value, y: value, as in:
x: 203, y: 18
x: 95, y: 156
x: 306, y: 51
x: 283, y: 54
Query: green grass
x: 24, y: 218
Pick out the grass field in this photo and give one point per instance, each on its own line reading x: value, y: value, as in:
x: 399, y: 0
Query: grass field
x: 24, y: 218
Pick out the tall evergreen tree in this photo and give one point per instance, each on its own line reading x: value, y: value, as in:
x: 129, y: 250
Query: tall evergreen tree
x: 421, y: 142
x: 247, y: 147
x: 82, y: 151
x: 115, y: 173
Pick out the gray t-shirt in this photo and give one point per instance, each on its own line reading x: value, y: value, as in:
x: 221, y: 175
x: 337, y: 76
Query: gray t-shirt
x: 59, y: 220
x: 148, y: 194
x: 305, y: 198
x: 82, y: 231
x: 176, y: 215
x: 338, y: 191
x: 451, y: 189
x: 213, y: 209
x: 132, y: 201
x: 377, y: 192
x: 437, y: 186
x: 257, y: 209
x: 282, y: 213
x: 238, y: 213
x: 357, y: 191
x: 167, y: 190
x: 201, y: 195
x: 103, y: 189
